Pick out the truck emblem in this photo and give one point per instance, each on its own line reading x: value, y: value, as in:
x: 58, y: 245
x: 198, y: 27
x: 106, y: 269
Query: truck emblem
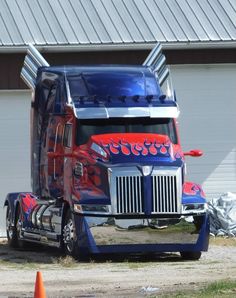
x: 147, y: 170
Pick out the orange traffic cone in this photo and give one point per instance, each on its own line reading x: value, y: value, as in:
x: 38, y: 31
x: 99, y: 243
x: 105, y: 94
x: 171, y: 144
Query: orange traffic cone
x: 39, y: 290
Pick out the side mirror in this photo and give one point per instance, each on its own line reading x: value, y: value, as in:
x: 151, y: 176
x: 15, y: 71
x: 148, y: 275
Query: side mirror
x: 194, y: 153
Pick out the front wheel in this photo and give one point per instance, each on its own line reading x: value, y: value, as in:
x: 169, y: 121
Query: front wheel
x: 69, y: 243
x: 191, y: 255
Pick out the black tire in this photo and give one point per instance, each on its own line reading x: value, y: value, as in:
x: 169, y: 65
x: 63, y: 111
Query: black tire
x: 191, y: 255
x: 11, y: 230
x: 68, y: 236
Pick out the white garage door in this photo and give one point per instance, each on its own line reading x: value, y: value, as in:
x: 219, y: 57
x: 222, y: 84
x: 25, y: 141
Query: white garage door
x: 207, y: 99
x: 14, y: 148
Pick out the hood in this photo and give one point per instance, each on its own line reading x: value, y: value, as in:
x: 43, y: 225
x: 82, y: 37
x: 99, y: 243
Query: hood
x: 135, y: 147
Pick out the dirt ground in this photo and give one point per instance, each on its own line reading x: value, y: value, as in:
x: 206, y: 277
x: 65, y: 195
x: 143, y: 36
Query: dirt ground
x: 106, y: 277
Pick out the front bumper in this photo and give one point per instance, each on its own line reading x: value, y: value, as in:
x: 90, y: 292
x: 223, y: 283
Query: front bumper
x: 109, y: 234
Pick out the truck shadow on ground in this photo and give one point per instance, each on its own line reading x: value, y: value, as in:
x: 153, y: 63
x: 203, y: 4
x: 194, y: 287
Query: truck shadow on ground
x: 41, y: 255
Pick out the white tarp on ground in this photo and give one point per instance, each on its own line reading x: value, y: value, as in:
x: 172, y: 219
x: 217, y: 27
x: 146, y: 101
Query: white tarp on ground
x: 222, y: 213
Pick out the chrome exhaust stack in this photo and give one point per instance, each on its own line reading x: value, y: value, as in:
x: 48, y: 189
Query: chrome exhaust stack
x: 157, y: 61
x: 33, y: 60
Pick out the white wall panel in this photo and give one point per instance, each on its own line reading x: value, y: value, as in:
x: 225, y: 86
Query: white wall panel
x: 14, y: 146
x: 207, y: 98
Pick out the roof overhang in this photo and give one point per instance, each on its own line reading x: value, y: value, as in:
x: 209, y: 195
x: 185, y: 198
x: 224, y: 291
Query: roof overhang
x: 121, y: 47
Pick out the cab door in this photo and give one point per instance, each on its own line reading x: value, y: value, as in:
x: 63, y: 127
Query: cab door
x: 52, y: 151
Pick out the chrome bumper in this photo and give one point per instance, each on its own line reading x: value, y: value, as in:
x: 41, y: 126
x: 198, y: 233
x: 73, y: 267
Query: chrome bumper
x: 111, y: 231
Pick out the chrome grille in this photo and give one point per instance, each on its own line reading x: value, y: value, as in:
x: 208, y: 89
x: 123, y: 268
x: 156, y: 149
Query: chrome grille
x: 129, y: 194
x: 127, y: 191
x: 164, y: 191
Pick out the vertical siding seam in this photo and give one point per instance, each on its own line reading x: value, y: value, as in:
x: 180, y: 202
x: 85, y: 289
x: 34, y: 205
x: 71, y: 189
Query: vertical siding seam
x: 72, y: 29
x: 165, y: 20
x: 223, y: 9
x: 47, y: 21
x: 6, y: 28
x: 208, y: 19
x: 96, y: 33
x: 14, y: 21
x: 177, y: 2
x: 85, y: 33
x: 222, y: 6
x: 33, y: 15
x: 167, y: 4
x: 101, y: 21
x: 219, y: 19
x: 26, y: 23
x: 132, y: 18
x: 150, y: 31
x: 131, y: 37
x: 111, y: 20
x: 144, y: 2
x: 232, y: 5
x: 197, y: 18
x: 49, y: 3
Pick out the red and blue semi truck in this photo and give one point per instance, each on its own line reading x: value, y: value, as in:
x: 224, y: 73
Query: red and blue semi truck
x: 107, y: 167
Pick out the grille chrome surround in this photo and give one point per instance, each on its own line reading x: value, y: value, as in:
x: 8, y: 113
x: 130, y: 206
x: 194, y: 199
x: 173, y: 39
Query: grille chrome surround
x: 127, y: 191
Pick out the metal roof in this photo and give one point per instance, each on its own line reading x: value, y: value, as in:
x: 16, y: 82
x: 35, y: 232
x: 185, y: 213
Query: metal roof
x: 103, y: 24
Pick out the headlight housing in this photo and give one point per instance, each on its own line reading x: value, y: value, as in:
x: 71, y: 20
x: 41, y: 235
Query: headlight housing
x: 194, y: 208
x: 92, y: 209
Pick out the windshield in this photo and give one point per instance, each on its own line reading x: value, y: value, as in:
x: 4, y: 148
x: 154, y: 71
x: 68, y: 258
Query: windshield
x: 112, y: 84
x: 87, y: 128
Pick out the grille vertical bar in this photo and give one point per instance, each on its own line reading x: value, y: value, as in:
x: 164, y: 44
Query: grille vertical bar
x: 164, y: 190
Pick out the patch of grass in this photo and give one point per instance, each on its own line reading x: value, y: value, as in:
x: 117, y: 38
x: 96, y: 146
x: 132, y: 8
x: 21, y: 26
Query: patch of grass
x: 218, y: 289
x: 223, y: 288
x: 223, y: 241
x: 211, y: 262
x: 136, y: 265
x: 66, y: 261
x: 18, y: 264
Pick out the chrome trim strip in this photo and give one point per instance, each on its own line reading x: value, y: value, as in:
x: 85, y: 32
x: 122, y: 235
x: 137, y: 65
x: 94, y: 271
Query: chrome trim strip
x: 127, y: 112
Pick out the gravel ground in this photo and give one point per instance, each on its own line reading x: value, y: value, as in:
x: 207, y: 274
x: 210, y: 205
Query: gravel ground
x: 64, y: 277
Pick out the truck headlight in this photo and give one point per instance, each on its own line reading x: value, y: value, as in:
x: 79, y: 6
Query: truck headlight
x: 92, y: 209
x: 194, y: 208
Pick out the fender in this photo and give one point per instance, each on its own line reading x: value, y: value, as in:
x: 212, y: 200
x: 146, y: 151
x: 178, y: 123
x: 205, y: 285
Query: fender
x: 10, y: 201
x: 13, y: 199
x: 193, y: 193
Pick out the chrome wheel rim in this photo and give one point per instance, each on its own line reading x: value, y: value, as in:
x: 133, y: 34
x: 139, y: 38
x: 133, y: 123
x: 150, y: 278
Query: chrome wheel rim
x: 68, y: 235
x: 8, y: 225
